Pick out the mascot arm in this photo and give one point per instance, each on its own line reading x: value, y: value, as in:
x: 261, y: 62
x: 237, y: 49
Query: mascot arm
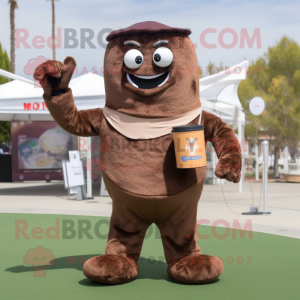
x: 226, y: 145
x: 65, y: 113
x: 54, y: 77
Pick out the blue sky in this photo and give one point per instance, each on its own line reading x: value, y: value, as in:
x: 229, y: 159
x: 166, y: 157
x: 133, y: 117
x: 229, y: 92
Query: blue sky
x: 273, y: 18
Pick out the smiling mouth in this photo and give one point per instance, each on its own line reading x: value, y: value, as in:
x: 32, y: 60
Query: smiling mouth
x: 148, y: 82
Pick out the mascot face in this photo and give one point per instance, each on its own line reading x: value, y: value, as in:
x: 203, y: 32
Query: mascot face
x: 151, y: 75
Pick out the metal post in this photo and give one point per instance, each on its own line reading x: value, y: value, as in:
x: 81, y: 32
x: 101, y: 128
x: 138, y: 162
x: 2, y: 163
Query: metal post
x: 254, y: 210
x: 89, y: 168
x: 265, y: 177
x: 256, y: 165
x: 256, y: 155
x: 79, y: 194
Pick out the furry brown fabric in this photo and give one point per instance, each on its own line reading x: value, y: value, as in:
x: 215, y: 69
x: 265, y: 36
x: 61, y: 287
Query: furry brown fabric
x: 175, y: 216
x: 54, y: 75
x: 226, y: 146
x: 178, y: 95
x: 141, y: 175
x: 196, y: 269
x: 111, y: 269
x: 146, y: 167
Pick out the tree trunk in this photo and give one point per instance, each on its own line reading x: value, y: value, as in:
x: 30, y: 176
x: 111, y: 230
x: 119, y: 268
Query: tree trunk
x: 12, y: 37
x: 276, y: 157
x: 53, y: 31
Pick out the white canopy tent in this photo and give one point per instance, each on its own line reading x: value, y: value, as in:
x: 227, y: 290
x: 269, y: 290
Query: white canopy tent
x: 21, y: 100
x: 88, y: 91
x: 218, y: 93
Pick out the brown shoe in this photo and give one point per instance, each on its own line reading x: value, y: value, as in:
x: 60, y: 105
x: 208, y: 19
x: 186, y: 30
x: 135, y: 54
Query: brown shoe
x: 196, y: 269
x: 111, y: 269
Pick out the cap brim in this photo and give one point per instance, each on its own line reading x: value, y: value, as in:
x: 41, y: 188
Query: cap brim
x: 131, y: 31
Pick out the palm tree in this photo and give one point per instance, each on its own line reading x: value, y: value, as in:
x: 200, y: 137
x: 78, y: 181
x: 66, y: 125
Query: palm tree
x: 53, y: 29
x: 13, y: 6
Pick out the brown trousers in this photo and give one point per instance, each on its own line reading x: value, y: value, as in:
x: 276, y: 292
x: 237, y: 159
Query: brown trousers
x: 174, y: 215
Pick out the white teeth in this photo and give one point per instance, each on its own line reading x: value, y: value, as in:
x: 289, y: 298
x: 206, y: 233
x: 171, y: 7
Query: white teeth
x: 129, y: 79
x: 148, y: 77
x: 165, y: 79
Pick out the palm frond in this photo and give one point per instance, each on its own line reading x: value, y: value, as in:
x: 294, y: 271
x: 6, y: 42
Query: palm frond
x: 13, y: 3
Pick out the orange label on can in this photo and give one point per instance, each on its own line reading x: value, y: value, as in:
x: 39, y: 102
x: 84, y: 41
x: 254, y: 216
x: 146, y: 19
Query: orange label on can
x: 190, y: 149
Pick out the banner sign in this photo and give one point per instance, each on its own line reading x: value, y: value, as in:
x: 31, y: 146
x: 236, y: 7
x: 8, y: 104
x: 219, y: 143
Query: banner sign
x: 38, y: 149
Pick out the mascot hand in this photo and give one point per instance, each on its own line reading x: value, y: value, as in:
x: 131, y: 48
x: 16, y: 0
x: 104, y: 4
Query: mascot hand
x: 55, y: 76
x: 227, y: 170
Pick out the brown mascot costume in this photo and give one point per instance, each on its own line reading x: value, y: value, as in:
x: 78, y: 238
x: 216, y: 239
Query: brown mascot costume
x: 152, y: 82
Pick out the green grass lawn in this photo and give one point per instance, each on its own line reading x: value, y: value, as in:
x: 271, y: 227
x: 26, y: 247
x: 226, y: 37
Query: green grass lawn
x: 272, y: 273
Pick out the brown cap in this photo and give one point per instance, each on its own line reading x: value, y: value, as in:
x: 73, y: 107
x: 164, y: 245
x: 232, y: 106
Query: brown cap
x: 147, y: 27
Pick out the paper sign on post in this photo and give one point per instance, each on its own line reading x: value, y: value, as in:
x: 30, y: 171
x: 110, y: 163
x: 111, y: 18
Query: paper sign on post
x: 75, y: 173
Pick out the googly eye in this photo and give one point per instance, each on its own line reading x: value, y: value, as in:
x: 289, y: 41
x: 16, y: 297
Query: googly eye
x: 163, y: 57
x: 133, y: 59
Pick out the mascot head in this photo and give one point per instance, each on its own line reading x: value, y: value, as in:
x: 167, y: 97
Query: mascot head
x: 151, y: 71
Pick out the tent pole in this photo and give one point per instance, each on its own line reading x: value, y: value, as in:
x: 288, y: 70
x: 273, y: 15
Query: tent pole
x: 240, y: 141
x: 213, y: 165
x: 243, y: 153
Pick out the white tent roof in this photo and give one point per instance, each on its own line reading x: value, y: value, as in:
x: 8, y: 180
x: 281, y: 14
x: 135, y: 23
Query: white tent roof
x: 88, y: 85
x: 218, y: 94
x: 88, y: 91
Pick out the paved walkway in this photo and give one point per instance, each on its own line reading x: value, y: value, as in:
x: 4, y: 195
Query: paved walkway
x: 283, y: 202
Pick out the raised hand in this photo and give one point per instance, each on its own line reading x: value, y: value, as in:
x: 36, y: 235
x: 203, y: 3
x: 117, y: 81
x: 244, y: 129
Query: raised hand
x: 54, y: 75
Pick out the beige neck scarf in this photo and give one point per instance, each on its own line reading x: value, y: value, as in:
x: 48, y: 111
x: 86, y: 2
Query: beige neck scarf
x: 144, y: 129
